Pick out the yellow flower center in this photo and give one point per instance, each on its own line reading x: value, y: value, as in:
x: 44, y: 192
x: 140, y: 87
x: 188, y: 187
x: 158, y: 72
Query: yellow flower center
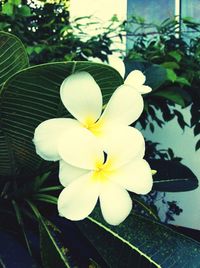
x: 102, y: 171
x: 95, y: 128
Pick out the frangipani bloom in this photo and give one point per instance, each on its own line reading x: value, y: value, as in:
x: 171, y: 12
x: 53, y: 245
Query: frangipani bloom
x: 82, y: 97
x: 135, y: 79
x: 89, y: 176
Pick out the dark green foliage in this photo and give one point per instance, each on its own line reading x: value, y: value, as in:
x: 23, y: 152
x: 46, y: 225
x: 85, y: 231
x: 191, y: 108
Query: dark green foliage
x: 47, y: 34
x: 179, y: 54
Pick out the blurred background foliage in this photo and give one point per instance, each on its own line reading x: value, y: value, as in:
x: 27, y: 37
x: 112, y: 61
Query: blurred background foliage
x: 178, y: 51
x: 47, y: 34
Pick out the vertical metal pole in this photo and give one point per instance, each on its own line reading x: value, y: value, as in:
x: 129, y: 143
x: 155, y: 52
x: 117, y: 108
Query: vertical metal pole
x: 178, y: 17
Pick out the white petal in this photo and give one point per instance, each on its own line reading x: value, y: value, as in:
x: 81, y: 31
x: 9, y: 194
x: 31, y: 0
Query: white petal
x: 47, y: 135
x: 135, y: 177
x: 95, y: 59
x: 115, y: 203
x: 78, y: 199
x: 82, y: 97
x: 124, y: 107
x: 68, y: 173
x: 80, y: 149
x: 117, y: 64
x: 135, y: 79
x: 145, y: 89
x: 123, y: 144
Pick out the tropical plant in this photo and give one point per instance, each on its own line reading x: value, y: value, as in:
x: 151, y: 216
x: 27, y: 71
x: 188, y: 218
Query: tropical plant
x: 29, y: 185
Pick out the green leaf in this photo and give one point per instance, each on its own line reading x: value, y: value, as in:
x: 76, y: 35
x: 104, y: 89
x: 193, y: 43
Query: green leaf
x: 197, y: 147
x: 7, y: 9
x: 183, y: 81
x: 2, y: 265
x: 7, y: 159
x: 40, y: 180
x: 176, y: 95
x: 45, y: 198
x: 155, y: 74
x: 172, y: 176
x: 139, y: 238
x: 171, y: 75
x: 32, y: 96
x: 176, y: 55
x: 190, y: 19
x: 24, y: 11
x: 143, y: 205
x: 51, y: 188
x: 180, y: 119
x: 38, y: 49
x: 15, y: 2
x: 21, y: 224
x: 13, y: 57
x: 52, y: 254
x: 171, y: 65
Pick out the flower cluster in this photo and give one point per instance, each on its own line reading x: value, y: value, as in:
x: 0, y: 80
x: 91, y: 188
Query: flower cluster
x: 100, y: 156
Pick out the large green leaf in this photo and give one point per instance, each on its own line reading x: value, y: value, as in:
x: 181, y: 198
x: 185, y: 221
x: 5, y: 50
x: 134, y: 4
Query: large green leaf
x: 7, y: 162
x: 140, y: 242
x: 172, y: 176
x: 32, y: 96
x: 13, y: 58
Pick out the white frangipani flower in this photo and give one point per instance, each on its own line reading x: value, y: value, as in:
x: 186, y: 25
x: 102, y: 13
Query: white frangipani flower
x: 82, y: 97
x: 89, y: 176
x: 135, y: 79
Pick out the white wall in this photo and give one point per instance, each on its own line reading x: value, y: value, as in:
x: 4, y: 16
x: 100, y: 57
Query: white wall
x: 103, y: 9
x: 183, y: 144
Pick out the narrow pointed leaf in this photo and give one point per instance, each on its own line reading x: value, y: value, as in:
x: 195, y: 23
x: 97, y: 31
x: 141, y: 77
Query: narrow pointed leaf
x: 144, y: 206
x: 172, y: 176
x: 52, y: 254
x: 21, y: 224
